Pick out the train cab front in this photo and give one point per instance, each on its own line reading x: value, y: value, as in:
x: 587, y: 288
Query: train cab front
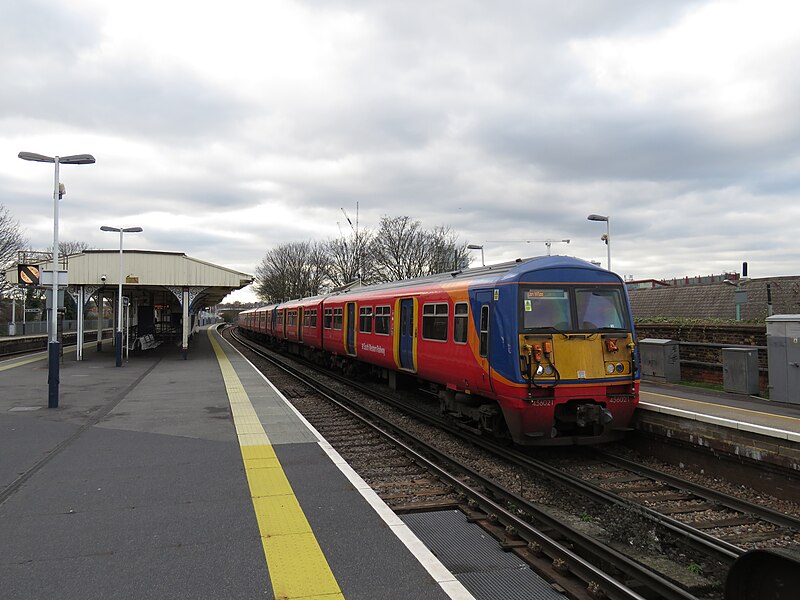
x: 577, y: 365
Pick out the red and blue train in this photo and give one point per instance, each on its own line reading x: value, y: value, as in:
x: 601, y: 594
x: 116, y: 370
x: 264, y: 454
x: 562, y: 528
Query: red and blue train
x: 541, y: 351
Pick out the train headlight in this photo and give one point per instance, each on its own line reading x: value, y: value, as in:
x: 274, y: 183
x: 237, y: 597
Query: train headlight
x: 620, y: 368
x: 548, y: 370
x: 610, y: 368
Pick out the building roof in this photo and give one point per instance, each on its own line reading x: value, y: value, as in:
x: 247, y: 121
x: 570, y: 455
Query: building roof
x: 718, y: 301
x: 143, y: 268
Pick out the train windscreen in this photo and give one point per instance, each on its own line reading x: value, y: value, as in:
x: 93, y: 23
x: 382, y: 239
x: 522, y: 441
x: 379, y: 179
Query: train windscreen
x: 599, y: 308
x: 546, y: 307
x: 573, y: 308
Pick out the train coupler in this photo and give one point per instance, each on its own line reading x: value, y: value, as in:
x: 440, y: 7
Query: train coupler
x: 590, y: 414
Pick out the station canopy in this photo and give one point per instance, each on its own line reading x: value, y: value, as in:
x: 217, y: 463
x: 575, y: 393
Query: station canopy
x: 165, y: 292
x: 148, y: 271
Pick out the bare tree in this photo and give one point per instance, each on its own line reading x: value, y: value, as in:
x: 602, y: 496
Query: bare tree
x: 292, y: 270
x: 350, y: 258
x: 444, y: 252
x: 67, y: 247
x: 11, y: 242
x: 403, y: 250
x: 399, y: 249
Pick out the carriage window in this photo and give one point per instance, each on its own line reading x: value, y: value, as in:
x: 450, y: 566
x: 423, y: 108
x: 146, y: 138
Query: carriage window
x: 460, y: 321
x: 312, y: 320
x: 382, y: 314
x: 365, y: 319
x: 546, y: 307
x: 599, y: 309
x: 327, y: 319
x: 434, y: 322
x: 279, y: 320
x: 484, y: 333
x: 337, y: 318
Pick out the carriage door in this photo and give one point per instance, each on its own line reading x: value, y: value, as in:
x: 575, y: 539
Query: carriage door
x: 300, y: 324
x: 351, y: 327
x: 483, y: 326
x: 407, y: 334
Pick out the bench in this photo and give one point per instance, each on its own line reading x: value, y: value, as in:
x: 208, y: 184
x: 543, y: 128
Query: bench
x: 148, y: 341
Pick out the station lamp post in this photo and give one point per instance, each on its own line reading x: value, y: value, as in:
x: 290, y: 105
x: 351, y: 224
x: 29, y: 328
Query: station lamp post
x: 477, y: 247
x: 54, y: 347
x: 118, y: 335
x: 607, y: 237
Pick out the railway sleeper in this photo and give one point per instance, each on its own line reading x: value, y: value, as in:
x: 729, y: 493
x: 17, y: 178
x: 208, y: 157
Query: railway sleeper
x: 730, y: 522
x: 681, y: 510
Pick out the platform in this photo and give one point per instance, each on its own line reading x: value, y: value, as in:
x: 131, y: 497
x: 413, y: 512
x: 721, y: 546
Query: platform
x: 730, y: 431
x: 171, y: 478
x: 735, y: 411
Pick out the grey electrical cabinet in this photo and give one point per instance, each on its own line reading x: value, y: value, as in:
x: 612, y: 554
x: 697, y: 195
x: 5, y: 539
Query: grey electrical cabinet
x: 740, y: 370
x: 661, y: 360
x: 783, y: 353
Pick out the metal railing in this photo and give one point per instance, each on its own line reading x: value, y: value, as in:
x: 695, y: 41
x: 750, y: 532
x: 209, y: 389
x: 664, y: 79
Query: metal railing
x: 40, y: 327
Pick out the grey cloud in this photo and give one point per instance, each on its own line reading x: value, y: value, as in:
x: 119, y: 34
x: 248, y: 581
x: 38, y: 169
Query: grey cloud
x: 38, y: 27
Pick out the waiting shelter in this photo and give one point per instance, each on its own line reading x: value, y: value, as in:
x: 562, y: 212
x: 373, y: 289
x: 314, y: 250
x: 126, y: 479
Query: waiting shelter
x: 163, y: 292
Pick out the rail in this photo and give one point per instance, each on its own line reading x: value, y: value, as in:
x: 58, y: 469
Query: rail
x: 500, y: 497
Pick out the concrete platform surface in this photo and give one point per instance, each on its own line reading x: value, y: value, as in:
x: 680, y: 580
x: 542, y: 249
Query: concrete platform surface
x: 135, y: 487
x: 735, y: 411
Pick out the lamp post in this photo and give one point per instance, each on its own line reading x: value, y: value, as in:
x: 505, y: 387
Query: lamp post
x: 54, y: 347
x: 607, y: 238
x: 118, y: 335
x: 477, y: 247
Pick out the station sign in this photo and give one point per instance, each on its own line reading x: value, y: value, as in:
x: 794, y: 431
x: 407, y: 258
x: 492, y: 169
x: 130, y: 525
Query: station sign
x: 46, y: 279
x: 28, y: 274
x: 49, y: 299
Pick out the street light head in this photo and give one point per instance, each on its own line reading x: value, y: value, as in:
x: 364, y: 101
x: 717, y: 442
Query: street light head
x: 35, y: 157
x: 121, y: 229
x: 597, y: 218
x: 474, y: 247
x: 76, y: 159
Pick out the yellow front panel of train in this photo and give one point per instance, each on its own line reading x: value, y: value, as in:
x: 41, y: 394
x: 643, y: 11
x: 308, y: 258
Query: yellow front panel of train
x: 575, y: 356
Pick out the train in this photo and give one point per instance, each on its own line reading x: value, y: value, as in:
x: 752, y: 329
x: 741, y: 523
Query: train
x: 539, y: 351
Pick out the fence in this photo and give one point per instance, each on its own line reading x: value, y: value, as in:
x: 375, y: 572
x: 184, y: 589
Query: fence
x: 40, y: 327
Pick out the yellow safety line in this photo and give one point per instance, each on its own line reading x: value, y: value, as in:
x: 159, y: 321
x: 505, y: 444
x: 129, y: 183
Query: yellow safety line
x: 43, y: 356
x: 745, y: 410
x: 297, y: 566
x: 19, y: 363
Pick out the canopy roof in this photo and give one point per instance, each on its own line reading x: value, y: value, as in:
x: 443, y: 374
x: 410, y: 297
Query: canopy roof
x: 149, y: 269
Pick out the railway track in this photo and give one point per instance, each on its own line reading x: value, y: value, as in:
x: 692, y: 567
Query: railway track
x: 410, y: 481
x: 742, y: 524
x: 720, y: 524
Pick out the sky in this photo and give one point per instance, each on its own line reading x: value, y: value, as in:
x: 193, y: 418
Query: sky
x: 226, y: 128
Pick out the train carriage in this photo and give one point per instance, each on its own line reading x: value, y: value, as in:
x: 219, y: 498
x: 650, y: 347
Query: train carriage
x: 542, y: 351
x: 559, y: 339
